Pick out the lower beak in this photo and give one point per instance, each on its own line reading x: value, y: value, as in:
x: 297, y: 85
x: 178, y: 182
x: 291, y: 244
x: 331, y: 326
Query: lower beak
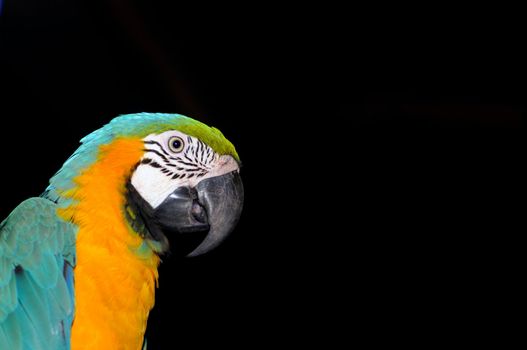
x: 210, y: 210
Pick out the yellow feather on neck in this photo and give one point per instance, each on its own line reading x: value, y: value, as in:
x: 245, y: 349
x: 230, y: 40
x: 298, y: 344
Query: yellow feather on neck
x: 115, y: 280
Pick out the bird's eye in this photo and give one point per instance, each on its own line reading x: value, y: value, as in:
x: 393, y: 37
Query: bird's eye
x: 176, y: 144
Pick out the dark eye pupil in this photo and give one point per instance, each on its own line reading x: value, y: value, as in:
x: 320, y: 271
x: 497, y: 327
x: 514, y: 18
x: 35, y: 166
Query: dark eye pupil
x: 176, y: 144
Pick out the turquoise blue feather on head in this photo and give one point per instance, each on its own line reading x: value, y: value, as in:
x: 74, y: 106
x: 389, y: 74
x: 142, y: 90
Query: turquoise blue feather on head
x: 137, y: 125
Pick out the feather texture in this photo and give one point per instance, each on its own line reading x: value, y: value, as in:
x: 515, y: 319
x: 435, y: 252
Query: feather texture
x: 115, y: 277
x: 79, y: 229
x: 35, y: 303
x: 135, y: 126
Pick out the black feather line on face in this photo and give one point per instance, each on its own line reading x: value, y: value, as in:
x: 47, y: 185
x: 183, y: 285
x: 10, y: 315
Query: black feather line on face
x: 152, y: 142
x: 191, y: 170
x: 182, y: 162
x: 201, y: 147
x: 154, y: 164
x: 195, y: 154
x: 189, y: 159
x: 162, y: 156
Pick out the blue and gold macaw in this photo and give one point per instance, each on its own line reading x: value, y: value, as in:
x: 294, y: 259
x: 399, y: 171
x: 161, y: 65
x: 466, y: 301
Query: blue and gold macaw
x: 78, y: 265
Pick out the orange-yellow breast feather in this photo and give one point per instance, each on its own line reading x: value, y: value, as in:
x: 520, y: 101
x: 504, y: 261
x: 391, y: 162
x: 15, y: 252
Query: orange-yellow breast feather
x: 114, y: 279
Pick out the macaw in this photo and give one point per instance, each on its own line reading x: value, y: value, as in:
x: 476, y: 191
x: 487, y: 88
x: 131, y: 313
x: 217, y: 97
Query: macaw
x: 78, y: 265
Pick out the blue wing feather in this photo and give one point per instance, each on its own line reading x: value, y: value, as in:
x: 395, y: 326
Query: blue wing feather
x: 37, y: 255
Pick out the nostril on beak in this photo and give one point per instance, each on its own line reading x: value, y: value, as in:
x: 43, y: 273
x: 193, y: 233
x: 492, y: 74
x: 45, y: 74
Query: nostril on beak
x: 198, y: 212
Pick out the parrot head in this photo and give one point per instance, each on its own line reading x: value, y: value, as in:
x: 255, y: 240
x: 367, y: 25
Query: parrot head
x: 186, y: 189
x: 181, y: 185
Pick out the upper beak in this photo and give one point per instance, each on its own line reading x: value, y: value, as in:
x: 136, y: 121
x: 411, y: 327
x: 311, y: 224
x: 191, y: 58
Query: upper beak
x: 211, y: 209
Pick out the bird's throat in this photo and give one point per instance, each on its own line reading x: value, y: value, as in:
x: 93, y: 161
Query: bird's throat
x: 115, y: 275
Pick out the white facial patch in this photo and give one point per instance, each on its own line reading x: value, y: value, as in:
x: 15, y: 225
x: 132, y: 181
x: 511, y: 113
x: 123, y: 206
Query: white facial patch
x: 167, y: 165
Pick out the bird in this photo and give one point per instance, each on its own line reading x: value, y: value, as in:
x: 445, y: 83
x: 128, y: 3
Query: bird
x: 79, y: 263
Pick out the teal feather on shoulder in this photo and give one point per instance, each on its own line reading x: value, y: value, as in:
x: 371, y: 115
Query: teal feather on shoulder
x: 36, y: 299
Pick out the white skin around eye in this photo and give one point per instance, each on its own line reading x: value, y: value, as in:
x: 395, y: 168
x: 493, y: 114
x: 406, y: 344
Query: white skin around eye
x: 155, y: 186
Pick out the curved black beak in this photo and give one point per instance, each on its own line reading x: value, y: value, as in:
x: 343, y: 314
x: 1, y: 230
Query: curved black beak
x: 222, y: 197
x: 198, y: 219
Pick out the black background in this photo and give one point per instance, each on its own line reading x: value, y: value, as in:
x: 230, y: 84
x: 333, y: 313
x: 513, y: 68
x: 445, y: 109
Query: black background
x: 381, y: 152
